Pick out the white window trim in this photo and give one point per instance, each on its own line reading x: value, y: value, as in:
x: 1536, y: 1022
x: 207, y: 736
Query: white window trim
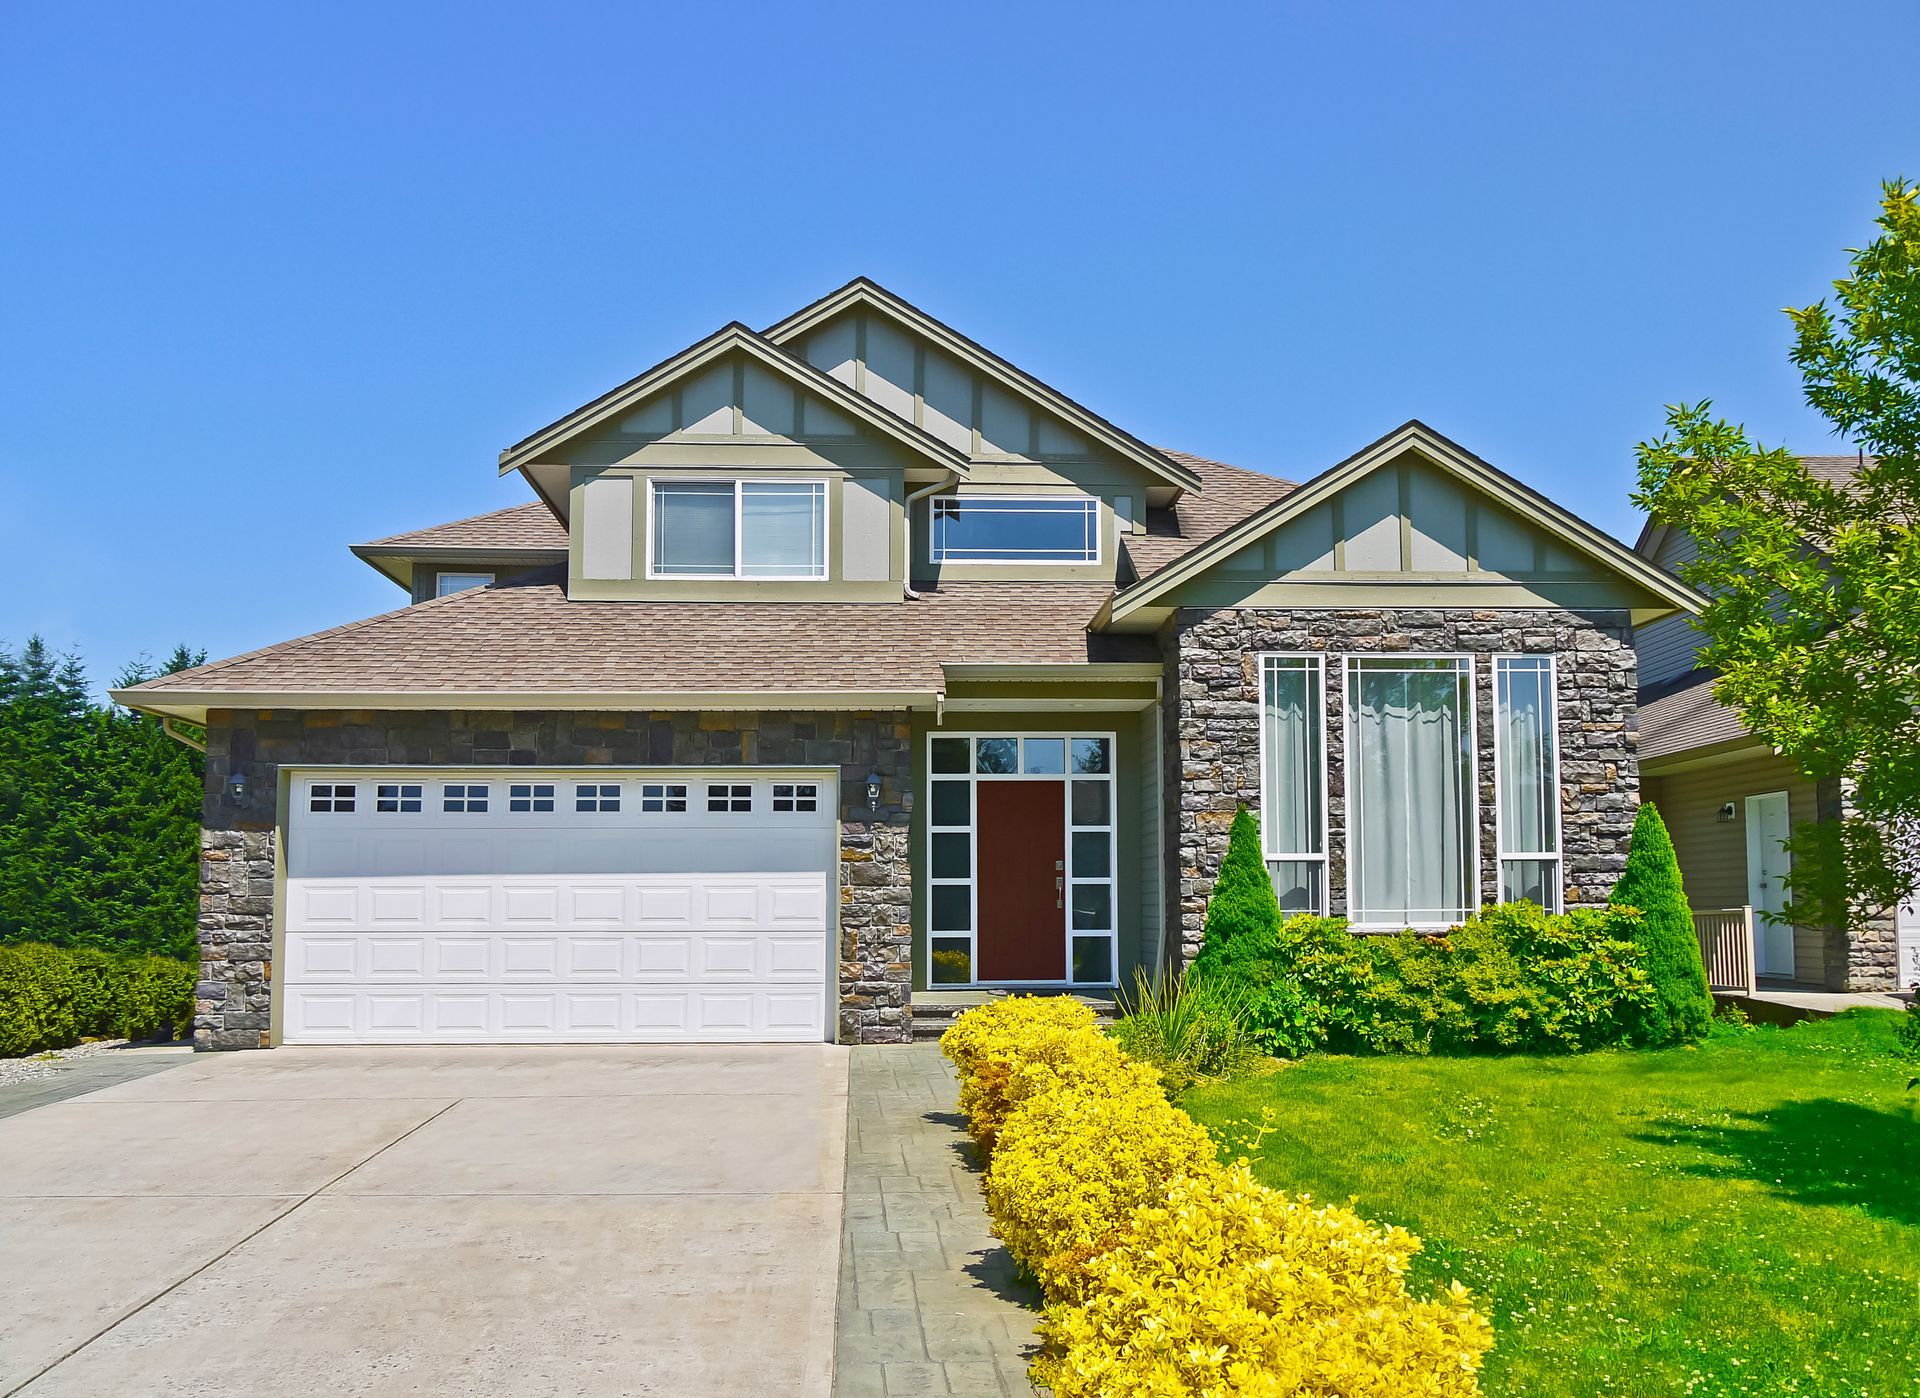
x: 1092, y: 502
x: 972, y: 776
x: 1267, y: 851
x: 473, y: 580
x: 826, y: 529
x: 1347, y: 666
x: 1501, y: 853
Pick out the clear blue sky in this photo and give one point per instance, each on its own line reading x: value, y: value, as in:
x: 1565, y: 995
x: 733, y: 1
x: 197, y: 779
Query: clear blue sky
x: 278, y: 279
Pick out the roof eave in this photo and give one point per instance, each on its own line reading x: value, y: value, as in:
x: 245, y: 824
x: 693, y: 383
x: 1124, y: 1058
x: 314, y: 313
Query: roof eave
x: 194, y: 705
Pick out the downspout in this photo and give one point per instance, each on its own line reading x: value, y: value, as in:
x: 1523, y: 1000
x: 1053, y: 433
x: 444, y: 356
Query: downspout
x: 906, y: 525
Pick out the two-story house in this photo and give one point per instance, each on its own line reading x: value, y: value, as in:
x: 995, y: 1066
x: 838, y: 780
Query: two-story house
x: 1731, y: 804
x: 844, y: 660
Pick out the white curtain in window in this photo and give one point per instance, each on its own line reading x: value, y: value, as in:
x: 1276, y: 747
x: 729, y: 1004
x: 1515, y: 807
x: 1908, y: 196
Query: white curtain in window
x: 693, y: 529
x: 1410, y: 777
x: 1291, y: 805
x: 782, y: 530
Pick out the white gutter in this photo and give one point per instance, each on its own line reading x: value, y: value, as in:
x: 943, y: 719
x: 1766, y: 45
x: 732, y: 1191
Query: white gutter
x: 166, y: 726
x: 906, y: 525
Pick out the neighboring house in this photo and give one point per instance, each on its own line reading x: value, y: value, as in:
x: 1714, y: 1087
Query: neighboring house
x: 845, y: 660
x: 1731, y: 802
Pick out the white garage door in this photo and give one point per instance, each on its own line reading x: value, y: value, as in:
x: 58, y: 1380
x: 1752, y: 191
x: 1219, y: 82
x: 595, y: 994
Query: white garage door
x: 453, y: 906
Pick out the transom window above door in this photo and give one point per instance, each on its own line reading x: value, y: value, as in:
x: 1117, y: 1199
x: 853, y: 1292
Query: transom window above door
x: 1016, y: 529
x: 765, y: 530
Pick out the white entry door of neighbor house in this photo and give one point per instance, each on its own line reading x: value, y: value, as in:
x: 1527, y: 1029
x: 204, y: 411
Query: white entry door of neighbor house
x: 442, y: 906
x: 1909, y: 944
x: 1768, y: 826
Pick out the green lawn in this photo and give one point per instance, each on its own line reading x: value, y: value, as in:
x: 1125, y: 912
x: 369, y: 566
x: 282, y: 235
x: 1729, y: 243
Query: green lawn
x: 1743, y: 1217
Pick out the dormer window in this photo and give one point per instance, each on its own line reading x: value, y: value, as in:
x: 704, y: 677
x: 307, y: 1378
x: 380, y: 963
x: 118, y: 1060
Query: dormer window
x: 766, y: 530
x: 1016, y: 529
x: 446, y: 584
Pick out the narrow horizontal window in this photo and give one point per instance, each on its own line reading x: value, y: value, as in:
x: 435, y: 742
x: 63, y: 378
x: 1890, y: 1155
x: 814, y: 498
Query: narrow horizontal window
x: 769, y: 530
x: 463, y: 798
x: 532, y: 797
x: 662, y: 797
x: 1016, y: 529
x: 331, y: 798
x: 446, y: 584
x: 798, y: 796
x: 729, y: 797
x: 596, y: 796
x: 397, y: 798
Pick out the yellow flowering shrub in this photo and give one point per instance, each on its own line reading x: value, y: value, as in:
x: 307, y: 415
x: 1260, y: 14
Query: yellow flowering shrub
x: 1077, y: 1158
x: 1228, y: 1289
x: 1010, y: 1049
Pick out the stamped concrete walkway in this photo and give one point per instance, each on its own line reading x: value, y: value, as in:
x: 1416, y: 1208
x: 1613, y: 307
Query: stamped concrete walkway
x: 928, y: 1298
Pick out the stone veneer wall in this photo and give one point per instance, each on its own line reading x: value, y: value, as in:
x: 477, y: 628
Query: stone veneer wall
x: 233, y: 1001
x: 1213, y: 730
x: 1866, y: 954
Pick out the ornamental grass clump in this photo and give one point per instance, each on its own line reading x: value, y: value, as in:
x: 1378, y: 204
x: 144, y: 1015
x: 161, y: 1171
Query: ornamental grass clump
x: 1228, y: 1289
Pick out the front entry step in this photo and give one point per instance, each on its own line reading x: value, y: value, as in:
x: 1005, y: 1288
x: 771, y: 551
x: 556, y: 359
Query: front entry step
x: 934, y: 1010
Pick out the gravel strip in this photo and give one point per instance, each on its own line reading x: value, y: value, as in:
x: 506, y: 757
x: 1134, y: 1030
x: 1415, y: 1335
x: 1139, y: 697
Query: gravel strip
x: 44, y: 1065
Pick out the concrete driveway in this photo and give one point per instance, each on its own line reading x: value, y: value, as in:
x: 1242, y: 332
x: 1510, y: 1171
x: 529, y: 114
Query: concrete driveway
x: 431, y: 1221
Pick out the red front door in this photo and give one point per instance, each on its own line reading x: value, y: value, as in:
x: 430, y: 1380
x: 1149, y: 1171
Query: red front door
x: 1020, y: 875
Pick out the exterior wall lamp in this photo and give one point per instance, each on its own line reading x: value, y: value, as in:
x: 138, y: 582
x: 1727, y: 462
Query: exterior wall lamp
x: 873, y: 790
x: 237, y: 787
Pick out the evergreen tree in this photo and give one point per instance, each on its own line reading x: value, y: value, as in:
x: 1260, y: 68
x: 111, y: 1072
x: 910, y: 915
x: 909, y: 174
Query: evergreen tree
x: 1669, y: 950
x: 1243, y: 916
x: 99, y: 812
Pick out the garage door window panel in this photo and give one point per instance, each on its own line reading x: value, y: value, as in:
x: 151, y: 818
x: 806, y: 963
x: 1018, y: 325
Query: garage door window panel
x: 530, y: 798
x: 397, y: 798
x: 596, y: 797
x: 464, y: 798
x: 327, y: 799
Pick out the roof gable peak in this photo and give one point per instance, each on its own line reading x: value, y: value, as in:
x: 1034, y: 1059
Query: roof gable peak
x: 865, y: 293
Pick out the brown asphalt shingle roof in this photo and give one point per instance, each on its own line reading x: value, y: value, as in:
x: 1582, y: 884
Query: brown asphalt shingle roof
x: 530, y: 526
x: 1686, y: 718
x: 1228, y: 495
x: 530, y: 636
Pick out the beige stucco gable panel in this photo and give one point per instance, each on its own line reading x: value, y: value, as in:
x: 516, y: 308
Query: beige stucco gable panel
x: 731, y: 387
x: 914, y: 366
x: 1412, y: 521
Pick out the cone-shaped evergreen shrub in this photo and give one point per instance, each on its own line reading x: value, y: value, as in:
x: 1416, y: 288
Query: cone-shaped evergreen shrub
x: 1669, y: 950
x: 1243, y: 916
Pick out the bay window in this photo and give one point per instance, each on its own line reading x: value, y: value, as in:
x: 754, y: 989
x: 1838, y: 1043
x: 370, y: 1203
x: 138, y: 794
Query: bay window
x: 1411, y: 858
x: 739, y: 529
x: 1527, y: 779
x: 1293, y: 779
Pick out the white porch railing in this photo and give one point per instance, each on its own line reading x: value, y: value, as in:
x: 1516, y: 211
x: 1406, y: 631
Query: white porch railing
x: 1726, y: 946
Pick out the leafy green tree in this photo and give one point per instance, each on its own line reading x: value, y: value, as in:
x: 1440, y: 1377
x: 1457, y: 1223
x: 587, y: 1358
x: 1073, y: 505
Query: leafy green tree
x: 1681, y: 1006
x: 1243, y: 916
x: 1814, y: 617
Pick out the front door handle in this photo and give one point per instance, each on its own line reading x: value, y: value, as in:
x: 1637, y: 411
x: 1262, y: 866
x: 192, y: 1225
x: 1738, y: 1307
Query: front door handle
x: 1058, y: 900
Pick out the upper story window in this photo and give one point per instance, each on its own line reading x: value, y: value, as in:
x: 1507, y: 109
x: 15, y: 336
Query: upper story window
x: 446, y: 584
x: 739, y: 529
x: 1016, y: 529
